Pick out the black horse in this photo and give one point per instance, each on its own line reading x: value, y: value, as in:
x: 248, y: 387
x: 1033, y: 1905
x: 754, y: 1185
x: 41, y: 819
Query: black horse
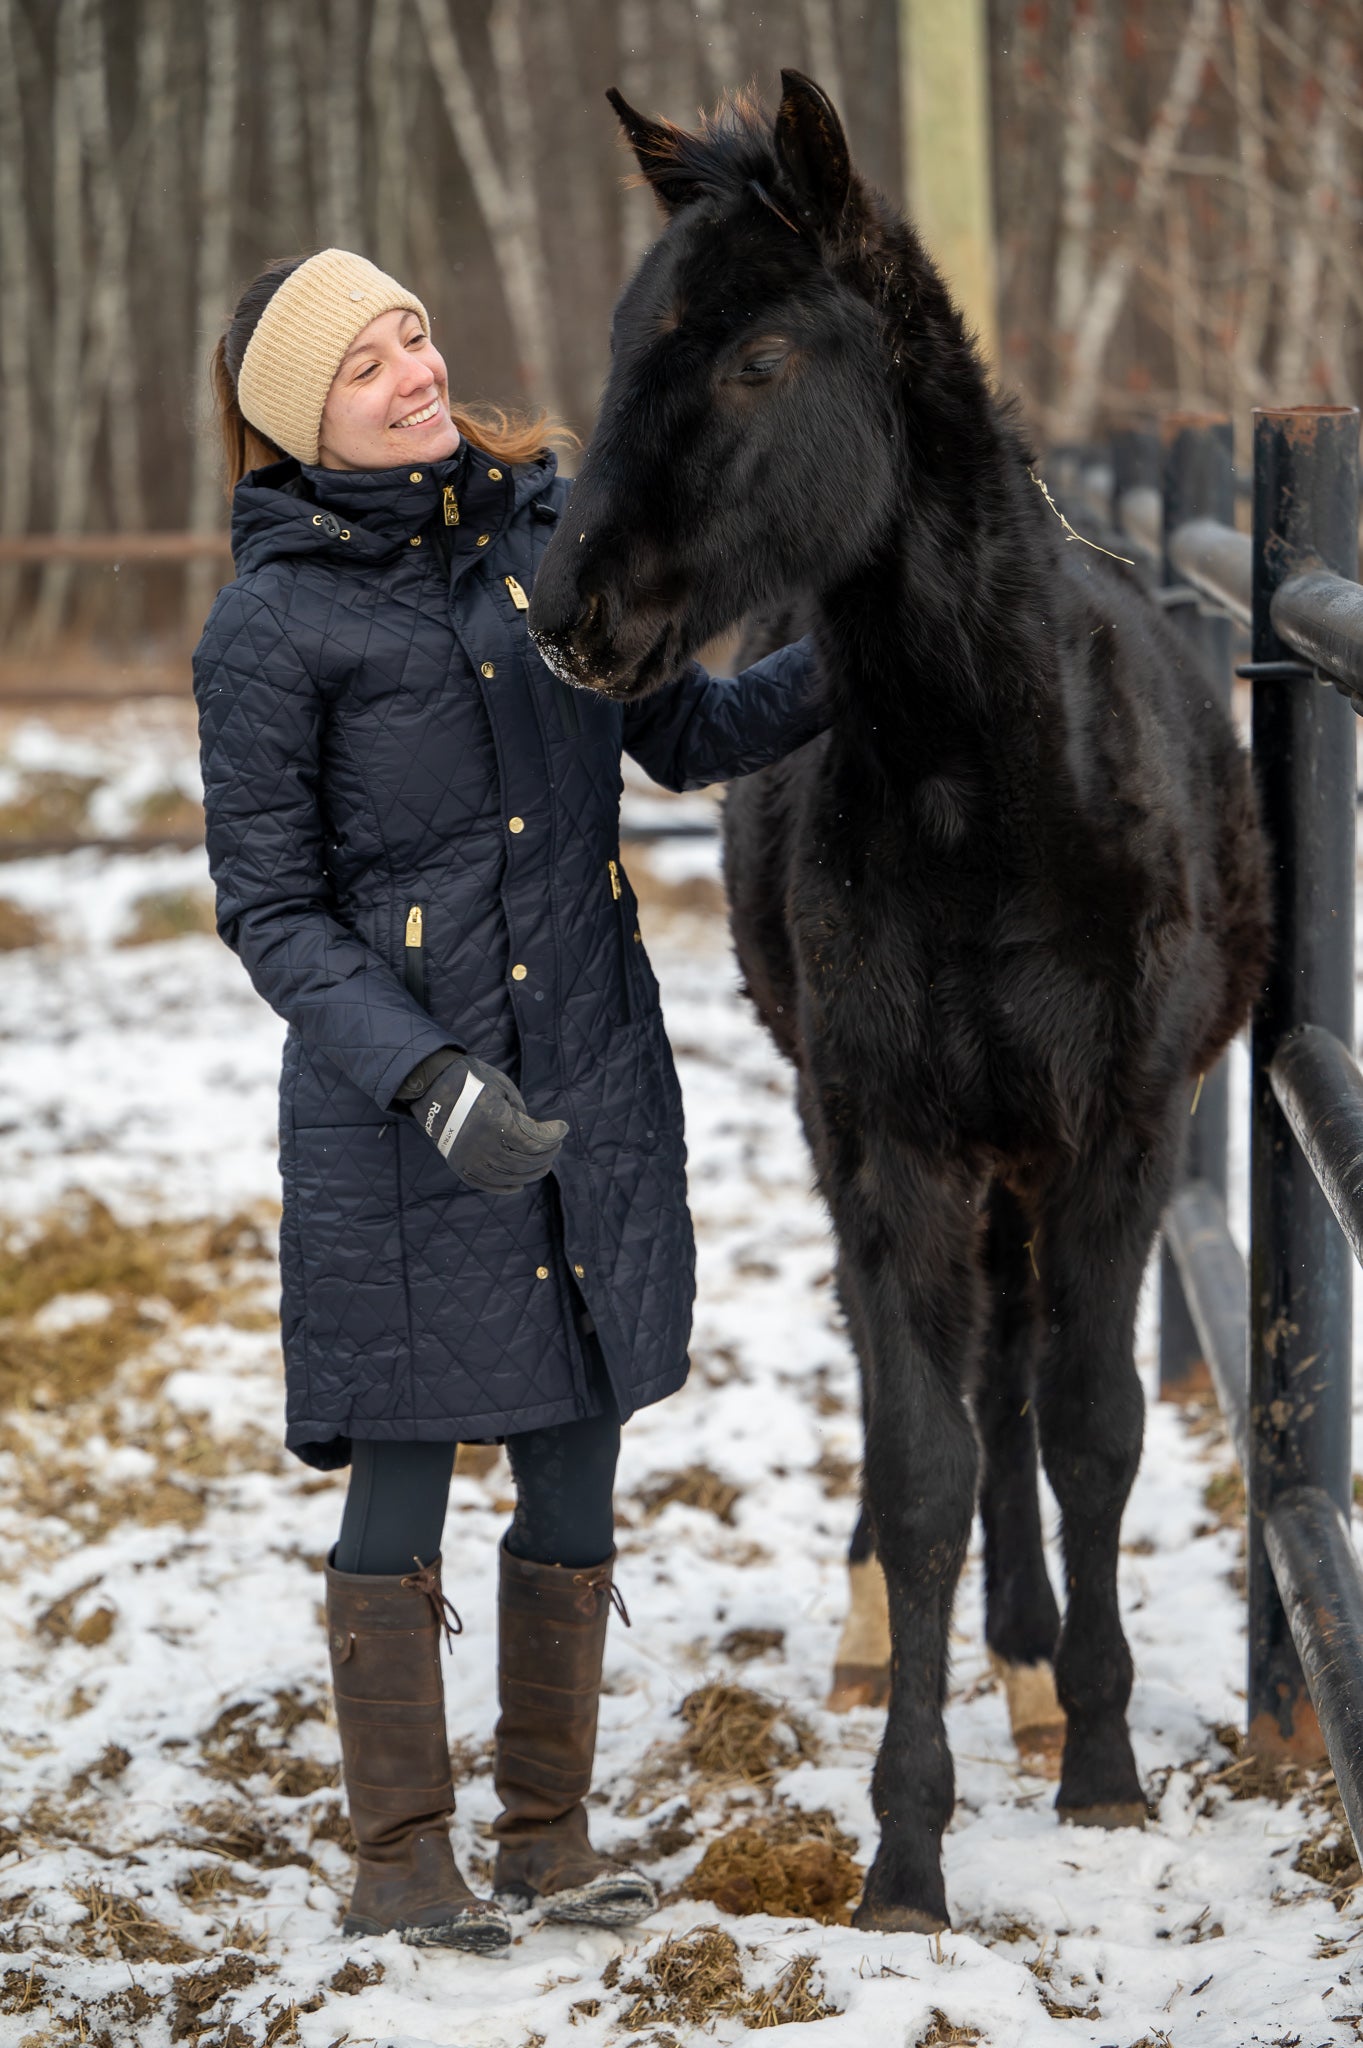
x: 999, y: 917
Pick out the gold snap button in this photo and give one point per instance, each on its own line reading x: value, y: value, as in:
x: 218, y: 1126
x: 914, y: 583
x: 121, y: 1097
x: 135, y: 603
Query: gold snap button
x: 515, y: 824
x: 496, y: 475
x: 639, y: 937
x: 581, y: 1272
x: 483, y: 539
x: 518, y: 973
x: 541, y: 1272
x: 487, y: 669
x: 415, y: 477
x: 415, y: 541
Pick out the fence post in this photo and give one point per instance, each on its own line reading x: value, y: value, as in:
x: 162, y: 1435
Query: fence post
x: 1300, y: 1274
x: 1197, y: 482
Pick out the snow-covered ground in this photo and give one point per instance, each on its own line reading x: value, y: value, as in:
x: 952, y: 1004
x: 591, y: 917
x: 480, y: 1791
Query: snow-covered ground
x: 171, y: 1861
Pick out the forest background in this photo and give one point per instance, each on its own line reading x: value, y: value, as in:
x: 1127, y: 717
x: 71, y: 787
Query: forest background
x: 1177, y: 184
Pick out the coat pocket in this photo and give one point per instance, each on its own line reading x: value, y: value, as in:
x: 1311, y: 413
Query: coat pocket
x: 414, y: 954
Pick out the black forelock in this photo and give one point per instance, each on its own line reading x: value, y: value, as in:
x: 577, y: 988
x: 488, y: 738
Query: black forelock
x: 732, y: 147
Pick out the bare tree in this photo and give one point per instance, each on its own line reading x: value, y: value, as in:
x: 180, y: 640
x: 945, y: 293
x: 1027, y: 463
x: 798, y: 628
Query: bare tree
x: 16, y: 273
x: 391, y: 118
x: 217, y: 169
x: 1079, y: 401
x: 506, y: 209
x: 339, y: 206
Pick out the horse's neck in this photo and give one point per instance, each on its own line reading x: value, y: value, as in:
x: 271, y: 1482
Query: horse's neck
x: 928, y: 659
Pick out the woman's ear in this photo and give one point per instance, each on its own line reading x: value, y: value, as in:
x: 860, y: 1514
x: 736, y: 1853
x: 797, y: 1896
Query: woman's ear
x: 656, y: 146
x: 812, y: 149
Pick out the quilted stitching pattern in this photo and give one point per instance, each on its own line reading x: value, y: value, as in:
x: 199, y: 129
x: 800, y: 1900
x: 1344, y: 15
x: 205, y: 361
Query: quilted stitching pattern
x: 358, y: 759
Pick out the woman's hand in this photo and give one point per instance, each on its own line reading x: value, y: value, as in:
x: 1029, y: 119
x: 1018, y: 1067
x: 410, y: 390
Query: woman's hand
x: 477, y: 1120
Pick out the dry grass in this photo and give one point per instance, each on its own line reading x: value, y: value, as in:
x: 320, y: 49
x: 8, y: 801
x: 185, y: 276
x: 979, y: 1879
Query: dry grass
x: 169, y: 914
x: 196, y: 1992
x: 120, y: 1926
x: 745, y: 1645
x: 353, y: 1977
x: 694, y: 1979
x: 229, y: 1829
x: 694, y: 1487
x: 660, y: 901
x: 234, y: 1748
x: 18, y: 928
x: 1223, y: 1497
x: 753, y: 1869
x: 49, y: 804
x: 733, y: 1737
x: 942, y: 2033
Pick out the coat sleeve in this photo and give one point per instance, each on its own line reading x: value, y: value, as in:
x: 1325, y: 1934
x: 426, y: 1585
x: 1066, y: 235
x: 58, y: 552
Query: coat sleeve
x: 703, y: 728
x: 260, y: 734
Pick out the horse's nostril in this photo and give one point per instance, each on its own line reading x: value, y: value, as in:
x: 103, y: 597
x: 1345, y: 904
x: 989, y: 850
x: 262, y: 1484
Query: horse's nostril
x: 591, y: 611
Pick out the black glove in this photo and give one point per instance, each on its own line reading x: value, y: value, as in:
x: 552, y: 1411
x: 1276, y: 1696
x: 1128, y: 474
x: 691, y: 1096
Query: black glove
x: 476, y: 1119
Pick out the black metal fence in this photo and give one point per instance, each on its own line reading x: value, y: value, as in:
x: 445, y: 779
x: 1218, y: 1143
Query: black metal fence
x: 1276, y: 1336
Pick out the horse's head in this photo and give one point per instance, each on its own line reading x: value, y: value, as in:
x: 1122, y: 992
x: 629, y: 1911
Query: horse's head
x: 744, y: 448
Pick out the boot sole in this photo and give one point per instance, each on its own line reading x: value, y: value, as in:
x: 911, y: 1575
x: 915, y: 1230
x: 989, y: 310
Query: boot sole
x: 479, y: 1937
x: 619, y: 1905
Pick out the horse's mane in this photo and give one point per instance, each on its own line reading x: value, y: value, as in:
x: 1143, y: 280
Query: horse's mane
x: 731, y: 147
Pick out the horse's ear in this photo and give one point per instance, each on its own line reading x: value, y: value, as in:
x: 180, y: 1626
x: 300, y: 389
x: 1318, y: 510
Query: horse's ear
x: 812, y: 148
x: 655, y: 145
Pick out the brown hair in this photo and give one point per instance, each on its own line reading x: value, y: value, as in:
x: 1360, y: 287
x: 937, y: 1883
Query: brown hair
x: 515, y: 437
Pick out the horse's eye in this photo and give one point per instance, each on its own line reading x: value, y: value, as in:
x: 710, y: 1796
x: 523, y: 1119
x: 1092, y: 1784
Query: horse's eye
x: 759, y: 368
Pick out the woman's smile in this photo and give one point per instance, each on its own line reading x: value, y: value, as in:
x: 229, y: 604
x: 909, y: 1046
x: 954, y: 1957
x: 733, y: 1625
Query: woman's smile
x: 427, y: 412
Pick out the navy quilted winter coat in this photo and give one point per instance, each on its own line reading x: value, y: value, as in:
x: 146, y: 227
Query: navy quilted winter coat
x: 413, y: 829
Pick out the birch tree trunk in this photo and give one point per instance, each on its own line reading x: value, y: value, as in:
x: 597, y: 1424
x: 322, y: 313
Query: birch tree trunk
x: 1079, y: 137
x: 515, y: 246
x: 1078, y: 406
x: 68, y: 322
x: 339, y: 210
x: 391, y: 116
x: 1260, y: 237
x: 217, y: 173
x: 284, y: 132
x: 821, y: 36
x: 638, y: 208
x: 16, y: 275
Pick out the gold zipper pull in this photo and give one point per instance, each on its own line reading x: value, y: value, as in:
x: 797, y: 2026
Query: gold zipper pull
x: 451, y: 504
x: 518, y: 596
x: 614, y: 874
x: 414, y: 925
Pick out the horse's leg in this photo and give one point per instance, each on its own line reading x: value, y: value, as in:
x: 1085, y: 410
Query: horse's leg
x: 1094, y: 1238
x: 1022, y: 1621
x: 913, y: 1262
x: 861, y: 1669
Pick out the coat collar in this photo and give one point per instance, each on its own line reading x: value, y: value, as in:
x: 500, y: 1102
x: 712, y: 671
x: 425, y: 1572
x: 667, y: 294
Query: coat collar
x: 369, y: 515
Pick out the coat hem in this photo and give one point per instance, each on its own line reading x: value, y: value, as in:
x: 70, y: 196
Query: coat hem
x: 325, y: 1445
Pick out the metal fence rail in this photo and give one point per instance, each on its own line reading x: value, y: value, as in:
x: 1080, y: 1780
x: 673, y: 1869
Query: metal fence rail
x: 1279, y: 1351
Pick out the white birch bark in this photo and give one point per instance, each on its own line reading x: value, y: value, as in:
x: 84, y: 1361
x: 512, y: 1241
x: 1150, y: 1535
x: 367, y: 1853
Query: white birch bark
x: 339, y: 210
x: 16, y: 275
x: 1078, y: 172
x: 1260, y: 235
x: 821, y: 36
x: 718, y: 46
x: 391, y: 117
x: 284, y: 131
x: 638, y: 208
x: 1078, y: 405
x: 217, y: 170
x: 514, y: 242
x: 69, y: 279
x: 1307, y: 241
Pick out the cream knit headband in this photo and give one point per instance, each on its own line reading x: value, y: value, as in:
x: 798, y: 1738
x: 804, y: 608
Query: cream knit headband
x: 292, y: 358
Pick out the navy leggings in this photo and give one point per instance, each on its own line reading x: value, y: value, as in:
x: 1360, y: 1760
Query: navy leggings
x: 565, y: 1479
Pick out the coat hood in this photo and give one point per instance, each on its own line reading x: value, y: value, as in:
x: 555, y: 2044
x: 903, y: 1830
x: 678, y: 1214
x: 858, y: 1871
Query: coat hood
x: 293, y: 509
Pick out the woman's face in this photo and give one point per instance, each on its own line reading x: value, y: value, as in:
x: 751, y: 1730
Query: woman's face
x: 389, y: 402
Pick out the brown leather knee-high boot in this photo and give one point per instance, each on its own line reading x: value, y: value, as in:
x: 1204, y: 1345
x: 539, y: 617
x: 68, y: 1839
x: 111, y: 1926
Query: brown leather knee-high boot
x: 552, y: 1637
x: 390, y: 1709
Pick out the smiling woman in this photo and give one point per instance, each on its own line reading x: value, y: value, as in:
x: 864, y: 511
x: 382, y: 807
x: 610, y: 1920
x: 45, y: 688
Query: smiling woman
x: 413, y: 829
x: 274, y: 399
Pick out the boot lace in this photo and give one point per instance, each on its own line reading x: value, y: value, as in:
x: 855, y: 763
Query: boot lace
x: 426, y: 1579
x: 599, y: 1580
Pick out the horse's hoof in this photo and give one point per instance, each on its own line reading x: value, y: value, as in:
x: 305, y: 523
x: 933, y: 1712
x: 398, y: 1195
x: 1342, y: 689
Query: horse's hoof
x: 898, y: 1920
x: 1119, y: 1813
x: 859, y: 1685
x: 1035, y: 1715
